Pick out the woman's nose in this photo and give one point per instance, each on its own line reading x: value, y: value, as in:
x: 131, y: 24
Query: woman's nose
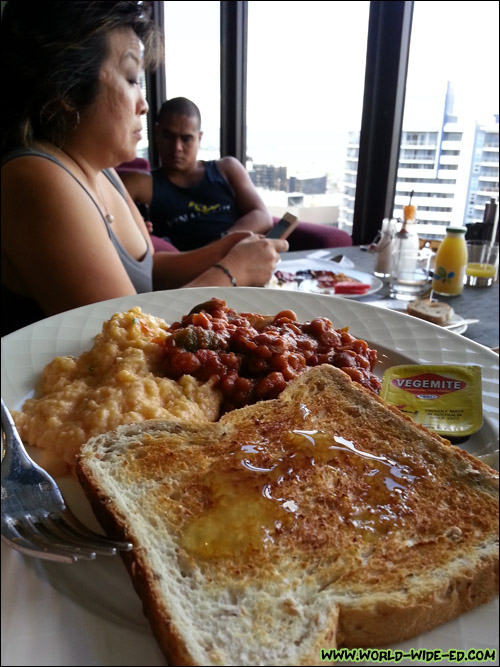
x: 143, y: 105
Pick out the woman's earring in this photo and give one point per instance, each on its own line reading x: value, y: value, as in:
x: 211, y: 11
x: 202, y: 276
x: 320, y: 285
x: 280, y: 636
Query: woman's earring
x: 77, y: 123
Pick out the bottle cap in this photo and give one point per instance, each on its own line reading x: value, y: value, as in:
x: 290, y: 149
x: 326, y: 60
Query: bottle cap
x: 456, y: 230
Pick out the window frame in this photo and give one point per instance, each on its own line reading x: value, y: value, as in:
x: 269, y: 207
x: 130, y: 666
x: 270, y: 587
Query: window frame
x: 156, y: 89
x: 388, y: 48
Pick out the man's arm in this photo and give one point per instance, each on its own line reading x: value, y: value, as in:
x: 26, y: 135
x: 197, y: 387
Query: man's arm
x: 139, y: 186
x: 254, y: 215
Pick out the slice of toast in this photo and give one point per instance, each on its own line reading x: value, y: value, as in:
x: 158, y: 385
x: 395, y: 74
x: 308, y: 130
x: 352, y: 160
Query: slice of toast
x: 431, y: 311
x: 322, y: 518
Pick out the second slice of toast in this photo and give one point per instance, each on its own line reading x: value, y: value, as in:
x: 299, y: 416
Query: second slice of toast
x: 323, y: 518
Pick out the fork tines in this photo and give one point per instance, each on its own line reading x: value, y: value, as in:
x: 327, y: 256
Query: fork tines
x: 57, y: 537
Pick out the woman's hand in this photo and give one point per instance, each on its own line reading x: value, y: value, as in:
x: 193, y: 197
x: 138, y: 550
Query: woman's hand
x: 250, y: 258
x: 252, y: 261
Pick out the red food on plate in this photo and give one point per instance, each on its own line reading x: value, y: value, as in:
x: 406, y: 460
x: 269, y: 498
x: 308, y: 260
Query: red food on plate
x: 351, y: 288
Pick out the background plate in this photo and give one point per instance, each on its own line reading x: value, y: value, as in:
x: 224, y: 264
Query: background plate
x: 88, y: 613
x: 294, y: 265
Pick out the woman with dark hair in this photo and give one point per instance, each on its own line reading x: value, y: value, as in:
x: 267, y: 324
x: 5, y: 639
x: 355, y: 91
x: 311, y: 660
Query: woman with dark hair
x: 71, y: 235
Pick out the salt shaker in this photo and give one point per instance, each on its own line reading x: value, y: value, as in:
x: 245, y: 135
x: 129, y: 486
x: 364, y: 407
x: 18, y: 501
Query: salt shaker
x: 404, y: 249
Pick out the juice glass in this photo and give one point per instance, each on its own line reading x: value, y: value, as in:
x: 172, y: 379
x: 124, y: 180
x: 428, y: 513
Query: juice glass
x: 482, y: 263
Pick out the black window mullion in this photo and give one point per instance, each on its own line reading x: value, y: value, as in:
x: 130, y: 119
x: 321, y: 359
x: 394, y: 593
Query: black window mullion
x: 156, y: 89
x: 233, y: 35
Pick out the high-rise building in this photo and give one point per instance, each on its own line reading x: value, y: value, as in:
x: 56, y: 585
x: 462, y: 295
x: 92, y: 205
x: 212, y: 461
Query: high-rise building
x: 483, y: 183
x: 268, y: 176
x: 449, y: 169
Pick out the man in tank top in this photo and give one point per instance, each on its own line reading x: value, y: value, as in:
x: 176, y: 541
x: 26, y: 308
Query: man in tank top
x: 192, y: 202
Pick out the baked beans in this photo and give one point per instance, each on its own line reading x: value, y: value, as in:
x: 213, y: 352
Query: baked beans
x: 255, y: 356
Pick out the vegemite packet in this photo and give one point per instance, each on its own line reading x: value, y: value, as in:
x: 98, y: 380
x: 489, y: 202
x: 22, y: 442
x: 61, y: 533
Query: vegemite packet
x: 447, y: 399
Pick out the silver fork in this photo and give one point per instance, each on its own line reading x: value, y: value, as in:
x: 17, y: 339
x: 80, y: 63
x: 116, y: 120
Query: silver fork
x: 35, y: 519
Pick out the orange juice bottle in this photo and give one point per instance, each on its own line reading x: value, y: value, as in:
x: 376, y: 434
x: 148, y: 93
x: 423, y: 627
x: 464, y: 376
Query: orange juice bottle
x: 451, y: 260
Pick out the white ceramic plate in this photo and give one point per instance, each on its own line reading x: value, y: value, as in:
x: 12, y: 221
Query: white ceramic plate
x: 458, y: 320
x: 310, y: 285
x: 88, y: 613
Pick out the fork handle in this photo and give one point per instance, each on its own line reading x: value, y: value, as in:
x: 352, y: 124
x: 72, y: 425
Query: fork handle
x: 10, y: 434
x: 16, y: 455
x: 7, y: 421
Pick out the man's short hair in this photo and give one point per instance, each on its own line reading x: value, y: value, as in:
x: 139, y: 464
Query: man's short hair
x: 180, y: 106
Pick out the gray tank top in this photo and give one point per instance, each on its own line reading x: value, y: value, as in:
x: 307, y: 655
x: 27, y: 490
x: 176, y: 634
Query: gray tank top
x: 140, y: 271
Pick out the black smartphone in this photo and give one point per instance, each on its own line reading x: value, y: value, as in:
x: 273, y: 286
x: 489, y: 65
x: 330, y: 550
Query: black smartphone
x: 284, y: 227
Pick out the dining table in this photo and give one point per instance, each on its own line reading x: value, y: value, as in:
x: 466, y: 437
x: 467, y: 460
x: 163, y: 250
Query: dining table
x: 474, y: 303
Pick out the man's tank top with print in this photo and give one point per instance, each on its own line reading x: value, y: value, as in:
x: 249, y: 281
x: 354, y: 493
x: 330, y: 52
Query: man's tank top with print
x: 192, y: 217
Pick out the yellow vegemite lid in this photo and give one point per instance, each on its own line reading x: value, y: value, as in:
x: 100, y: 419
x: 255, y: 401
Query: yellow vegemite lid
x: 447, y: 399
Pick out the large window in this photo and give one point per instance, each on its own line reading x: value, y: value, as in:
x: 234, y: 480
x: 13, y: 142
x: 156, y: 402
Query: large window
x: 319, y: 135
x: 306, y: 68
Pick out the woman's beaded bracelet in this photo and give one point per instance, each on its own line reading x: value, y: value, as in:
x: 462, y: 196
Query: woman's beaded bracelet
x: 228, y: 274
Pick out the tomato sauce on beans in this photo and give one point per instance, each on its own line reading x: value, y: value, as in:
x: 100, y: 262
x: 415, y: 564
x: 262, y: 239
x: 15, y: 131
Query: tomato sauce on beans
x: 253, y: 357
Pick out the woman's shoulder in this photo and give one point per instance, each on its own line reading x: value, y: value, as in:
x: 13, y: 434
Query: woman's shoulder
x: 30, y: 164
x: 39, y: 188
x: 34, y: 151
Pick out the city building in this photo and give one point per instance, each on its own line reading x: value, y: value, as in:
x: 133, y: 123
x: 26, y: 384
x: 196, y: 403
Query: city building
x: 483, y: 184
x: 269, y: 177
x: 448, y: 168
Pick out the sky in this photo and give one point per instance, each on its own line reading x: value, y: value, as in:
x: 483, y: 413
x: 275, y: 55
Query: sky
x: 306, y: 63
x: 457, y: 42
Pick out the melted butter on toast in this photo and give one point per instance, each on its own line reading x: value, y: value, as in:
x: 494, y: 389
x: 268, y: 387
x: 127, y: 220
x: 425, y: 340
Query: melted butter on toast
x: 255, y: 493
